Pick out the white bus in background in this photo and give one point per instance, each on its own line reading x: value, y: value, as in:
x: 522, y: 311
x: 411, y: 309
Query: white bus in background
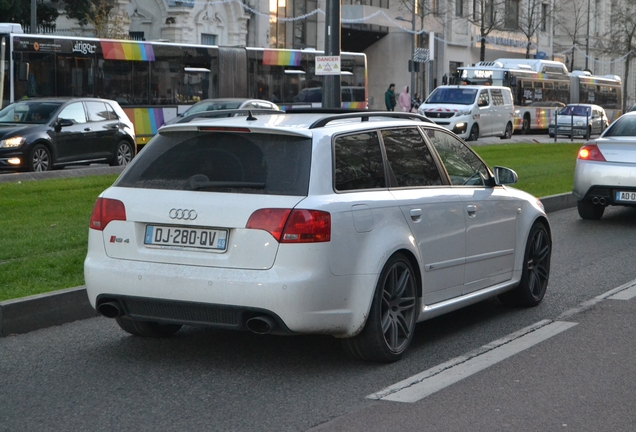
x: 541, y: 87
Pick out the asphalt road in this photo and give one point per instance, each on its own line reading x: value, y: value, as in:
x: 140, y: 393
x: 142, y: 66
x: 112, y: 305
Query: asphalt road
x: 90, y: 375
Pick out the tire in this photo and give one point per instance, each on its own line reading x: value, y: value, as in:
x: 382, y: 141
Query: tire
x: 123, y: 155
x: 508, y: 133
x: 474, y: 133
x: 551, y: 135
x: 147, y: 328
x: 590, y: 211
x: 536, y: 270
x: 390, y: 325
x: 525, y: 125
x: 588, y: 133
x: 40, y: 158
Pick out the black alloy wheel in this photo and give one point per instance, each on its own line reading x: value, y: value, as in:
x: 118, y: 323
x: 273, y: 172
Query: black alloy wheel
x: 389, y: 329
x: 536, y: 270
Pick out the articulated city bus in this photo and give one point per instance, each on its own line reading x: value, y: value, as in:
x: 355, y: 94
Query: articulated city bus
x: 541, y: 87
x: 154, y: 81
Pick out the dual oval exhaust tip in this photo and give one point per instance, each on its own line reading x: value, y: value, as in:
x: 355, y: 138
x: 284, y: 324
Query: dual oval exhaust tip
x: 261, y: 324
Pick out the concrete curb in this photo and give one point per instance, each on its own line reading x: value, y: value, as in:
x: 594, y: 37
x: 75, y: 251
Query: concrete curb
x: 59, y: 307
x: 44, y: 310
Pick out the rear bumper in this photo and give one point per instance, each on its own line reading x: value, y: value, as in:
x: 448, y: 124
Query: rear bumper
x: 303, y: 300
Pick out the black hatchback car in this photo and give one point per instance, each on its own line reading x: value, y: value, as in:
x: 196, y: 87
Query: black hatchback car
x: 47, y: 133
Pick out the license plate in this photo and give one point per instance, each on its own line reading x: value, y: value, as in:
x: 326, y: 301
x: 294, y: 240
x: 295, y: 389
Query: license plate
x: 177, y: 237
x: 625, y: 196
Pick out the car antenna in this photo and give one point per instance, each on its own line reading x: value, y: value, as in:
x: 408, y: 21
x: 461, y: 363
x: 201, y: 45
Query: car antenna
x: 250, y: 116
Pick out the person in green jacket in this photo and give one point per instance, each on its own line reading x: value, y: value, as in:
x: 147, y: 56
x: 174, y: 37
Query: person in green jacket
x: 389, y: 98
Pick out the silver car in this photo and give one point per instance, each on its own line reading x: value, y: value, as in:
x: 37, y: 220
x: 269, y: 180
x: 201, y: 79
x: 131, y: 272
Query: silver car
x: 581, y: 120
x: 224, y: 104
x: 605, y: 167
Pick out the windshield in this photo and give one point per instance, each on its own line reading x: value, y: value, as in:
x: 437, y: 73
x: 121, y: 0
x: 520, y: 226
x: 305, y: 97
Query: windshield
x: 456, y: 95
x: 574, y: 110
x: 29, y: 112
x: 213, y: 106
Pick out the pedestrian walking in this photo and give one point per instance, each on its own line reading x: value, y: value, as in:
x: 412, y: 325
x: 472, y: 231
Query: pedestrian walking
x: 405, y: 100
x: 389, y: 98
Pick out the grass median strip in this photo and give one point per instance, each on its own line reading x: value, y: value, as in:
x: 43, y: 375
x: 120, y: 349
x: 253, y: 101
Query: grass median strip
x: 44, y: 228
x: 44, y: 224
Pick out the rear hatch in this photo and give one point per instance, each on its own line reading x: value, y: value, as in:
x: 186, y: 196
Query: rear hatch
x: 618, y: 149
x: 188, y: 197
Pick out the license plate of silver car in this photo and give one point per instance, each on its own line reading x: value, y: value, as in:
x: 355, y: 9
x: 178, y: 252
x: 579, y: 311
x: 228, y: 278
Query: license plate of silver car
x: 625, y: 196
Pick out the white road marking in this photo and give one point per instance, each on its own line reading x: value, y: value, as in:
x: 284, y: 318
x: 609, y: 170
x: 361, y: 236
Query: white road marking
x: 428, y: 382
x: 625, y: 292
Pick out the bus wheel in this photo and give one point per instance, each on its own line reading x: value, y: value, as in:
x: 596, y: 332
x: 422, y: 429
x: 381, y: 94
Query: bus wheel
x: 474, y: 133
x: 40, y: 159
x: 525, y: 125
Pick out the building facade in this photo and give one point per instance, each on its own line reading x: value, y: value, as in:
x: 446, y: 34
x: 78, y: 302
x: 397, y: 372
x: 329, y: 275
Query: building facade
x: 390, y: 32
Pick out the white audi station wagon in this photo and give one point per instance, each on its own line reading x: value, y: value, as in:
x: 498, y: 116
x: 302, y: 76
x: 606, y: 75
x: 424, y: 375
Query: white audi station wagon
x: 356, y: 225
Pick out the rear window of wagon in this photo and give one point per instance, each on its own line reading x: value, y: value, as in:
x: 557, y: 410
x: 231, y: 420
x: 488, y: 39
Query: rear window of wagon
x: 252, y: 163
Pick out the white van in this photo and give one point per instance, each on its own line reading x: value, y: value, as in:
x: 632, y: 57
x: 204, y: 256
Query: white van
x: 471, y: 111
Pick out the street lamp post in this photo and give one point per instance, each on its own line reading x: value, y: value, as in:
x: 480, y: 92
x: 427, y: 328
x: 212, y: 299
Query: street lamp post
x: 587, y: 37
x: 411, y: 61
x: 413, y: 52
x: 34, y: 22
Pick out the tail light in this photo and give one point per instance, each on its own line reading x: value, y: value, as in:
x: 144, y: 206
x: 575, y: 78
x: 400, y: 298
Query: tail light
x: 591, y: 152
x: 293, y: 226
x: 106, y: 210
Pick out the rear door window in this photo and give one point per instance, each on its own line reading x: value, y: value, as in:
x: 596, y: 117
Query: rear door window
x: 358, y: 162
x: 497, y: 97
x: 97, y: 111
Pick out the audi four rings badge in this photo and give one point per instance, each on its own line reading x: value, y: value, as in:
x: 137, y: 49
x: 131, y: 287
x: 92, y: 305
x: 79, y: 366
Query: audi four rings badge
x: 183, y: 214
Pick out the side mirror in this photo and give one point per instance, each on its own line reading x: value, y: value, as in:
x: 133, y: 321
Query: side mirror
x: 60, y: 123
x: 504, y: 175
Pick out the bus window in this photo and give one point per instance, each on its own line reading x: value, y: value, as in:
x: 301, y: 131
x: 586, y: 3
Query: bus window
x: 115, y: 81
x: 40, y: 79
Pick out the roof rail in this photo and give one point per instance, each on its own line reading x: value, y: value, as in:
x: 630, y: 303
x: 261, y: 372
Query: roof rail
x: 316, y: 110
x: 229, y: 113
x: 365, y: 115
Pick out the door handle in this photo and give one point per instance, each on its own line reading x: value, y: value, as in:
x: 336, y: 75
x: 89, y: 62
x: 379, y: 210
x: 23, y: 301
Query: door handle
x: 471, y: 209
x: 416, y: 215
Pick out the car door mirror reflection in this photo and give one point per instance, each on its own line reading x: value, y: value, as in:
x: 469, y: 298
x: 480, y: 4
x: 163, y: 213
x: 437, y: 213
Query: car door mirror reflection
x: 505, y: 176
